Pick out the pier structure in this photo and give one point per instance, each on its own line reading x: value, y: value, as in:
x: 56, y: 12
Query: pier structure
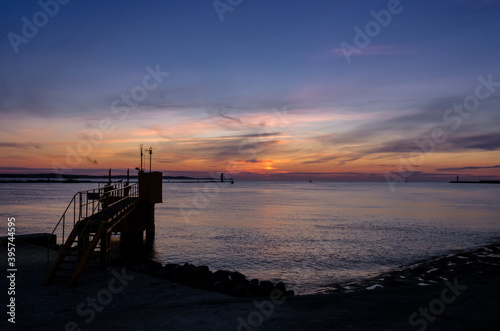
x: 93, y: 215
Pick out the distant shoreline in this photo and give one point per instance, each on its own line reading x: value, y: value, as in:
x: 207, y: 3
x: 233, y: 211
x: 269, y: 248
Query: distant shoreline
x: 76, y: 179
x: 58, y: 176
x: 49, y: 181
x: 475, y: 182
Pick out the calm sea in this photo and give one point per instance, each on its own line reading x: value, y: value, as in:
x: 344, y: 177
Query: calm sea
x: 309, y: 235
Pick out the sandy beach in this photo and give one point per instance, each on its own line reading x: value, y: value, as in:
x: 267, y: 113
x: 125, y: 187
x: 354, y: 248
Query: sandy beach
x: 455, y: 292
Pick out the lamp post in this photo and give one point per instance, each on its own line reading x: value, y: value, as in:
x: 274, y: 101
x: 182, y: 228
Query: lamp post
x: 150, y: 153
x: 141, y: 159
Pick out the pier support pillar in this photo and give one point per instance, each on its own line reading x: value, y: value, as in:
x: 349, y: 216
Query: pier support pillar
x: 150, y: 193
x: 143, y: 217
x: 149, y: 211
x: 131, y: 241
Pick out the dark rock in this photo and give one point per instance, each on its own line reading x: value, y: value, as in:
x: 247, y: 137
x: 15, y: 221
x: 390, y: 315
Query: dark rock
x: 240, y: 289
x: 223, y: 286
x: 153, y: 267
x: 218, y: 276
x: 254, y: 287
x: 167, y: 270
x: 197, y: 276
x: 281, y: 287
x: 266, y: 287
x: 176, y: 274
x: 223, y: 281
x: 188, y: 265
x: 188, y: 272
x: 140, y: 267
x: 204, y: 271
x: 170, y: 266
x: 289, y: 293
x: 237, y: 277
x: 163, y: 273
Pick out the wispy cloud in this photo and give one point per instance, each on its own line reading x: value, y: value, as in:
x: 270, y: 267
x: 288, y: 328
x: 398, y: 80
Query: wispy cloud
x: 468, y: 168
x: 18, y: 145
x: 253, y: 135
x: 223, y: 113
x: 486, y: 142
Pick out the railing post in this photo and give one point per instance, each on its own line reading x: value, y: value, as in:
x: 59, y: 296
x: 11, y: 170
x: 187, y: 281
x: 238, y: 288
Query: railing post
x: 80, y: 207
x: 86, y: 207
x: 86, y: 203
x: 74, y: 211
x: 64, y: 221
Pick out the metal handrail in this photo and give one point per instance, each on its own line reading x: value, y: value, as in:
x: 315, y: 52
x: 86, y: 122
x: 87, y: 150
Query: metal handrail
x: 90, y: 203
x: 134, y: 188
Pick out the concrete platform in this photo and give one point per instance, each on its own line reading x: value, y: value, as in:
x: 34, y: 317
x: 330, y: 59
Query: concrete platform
x: 39, y: 239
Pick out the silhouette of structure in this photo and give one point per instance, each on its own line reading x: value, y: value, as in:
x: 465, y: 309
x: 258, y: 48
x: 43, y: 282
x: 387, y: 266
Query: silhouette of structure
x: 484, y: 181
x: 93, y: 215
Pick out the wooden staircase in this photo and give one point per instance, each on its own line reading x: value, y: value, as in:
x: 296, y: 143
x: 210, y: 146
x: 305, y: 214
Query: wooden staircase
x: 95, y: 214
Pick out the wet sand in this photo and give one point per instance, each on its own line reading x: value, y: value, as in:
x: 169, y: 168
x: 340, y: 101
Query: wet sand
x: 460, y: 291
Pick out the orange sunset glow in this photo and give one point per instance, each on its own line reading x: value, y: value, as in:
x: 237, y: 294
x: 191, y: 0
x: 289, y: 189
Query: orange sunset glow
x: 255, y: 108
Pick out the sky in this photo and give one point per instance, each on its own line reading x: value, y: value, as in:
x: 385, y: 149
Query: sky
x: 258, y: 89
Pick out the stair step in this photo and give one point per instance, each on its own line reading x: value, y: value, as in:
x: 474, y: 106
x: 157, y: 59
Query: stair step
x: 85, y: 233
